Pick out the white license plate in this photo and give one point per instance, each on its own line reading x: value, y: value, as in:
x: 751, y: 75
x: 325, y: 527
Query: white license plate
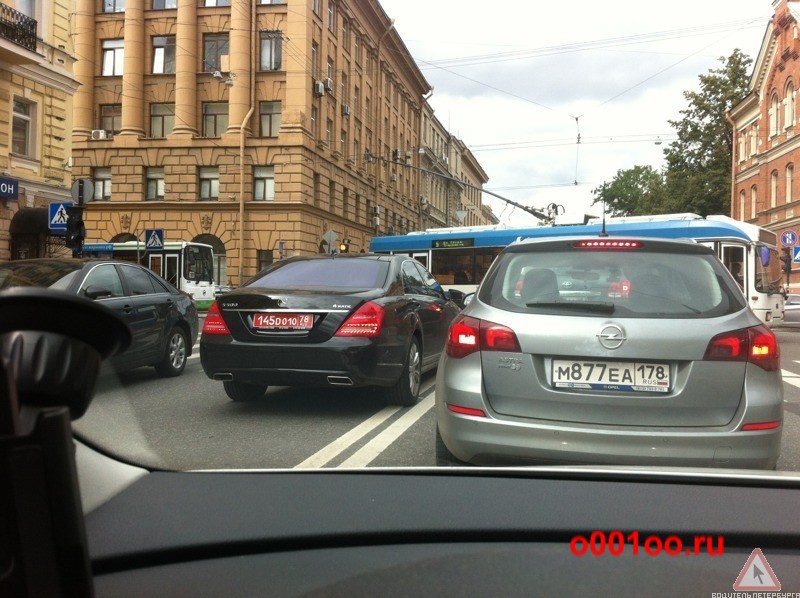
x: 283, y: 321
x: 611, y: 375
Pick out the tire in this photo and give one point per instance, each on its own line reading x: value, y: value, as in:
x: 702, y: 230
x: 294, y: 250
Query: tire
x: 405, y: 391
x: 241, y: 392
x: 175, y: 354
x: 444, y: 458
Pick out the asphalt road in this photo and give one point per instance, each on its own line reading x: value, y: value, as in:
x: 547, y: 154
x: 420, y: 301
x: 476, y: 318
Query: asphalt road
x: 188, y: 423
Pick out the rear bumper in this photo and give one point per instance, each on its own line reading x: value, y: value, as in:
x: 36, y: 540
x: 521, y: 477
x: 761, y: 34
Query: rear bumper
x: 500, y: 440
x: 361, y: 361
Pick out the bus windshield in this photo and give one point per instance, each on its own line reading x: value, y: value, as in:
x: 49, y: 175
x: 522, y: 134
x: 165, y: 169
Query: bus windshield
x: 769, y: 276
x: 199, y: 264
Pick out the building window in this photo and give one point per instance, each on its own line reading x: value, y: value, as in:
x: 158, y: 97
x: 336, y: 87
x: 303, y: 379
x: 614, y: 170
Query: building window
x: 271, y: 50
x: 345, y: 95
x: 102, y: 183
x: 215, y: 118
x: 356, y: 150
x: 113, y: 57
x: 215, y: 46
x: 789, y: 107
x: 314, y: 132
x: 162, y: 119
x: 741, y: 205
x: 754, y: 139
x: 164, y: 55
x: 357, y: 48
x: 22, y: 129
x: 155, y: 183
x: 332, y: 16
x: 264, y: 183
x: 789, y: 183
x: 328, y: 128
x: 162, y: 4
x: 113, y: 5
x: 330, y: 69
x: 217, y: 3
x: 314, y: 58
x: 265, y: 258
x: 774, y: 115
x: 773, y: 189
x: 345, y: 35
x: 753, y: 201
x: 270, y: 113
x: 209, y: 182
x: 111, y: 117
x: 370, y: 61
x: 343, y: 143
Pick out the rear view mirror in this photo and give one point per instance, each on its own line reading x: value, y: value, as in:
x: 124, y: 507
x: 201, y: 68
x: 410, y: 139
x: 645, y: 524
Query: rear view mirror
x: 456, y: 296
x: 468, y: 299
x: 96, y: 292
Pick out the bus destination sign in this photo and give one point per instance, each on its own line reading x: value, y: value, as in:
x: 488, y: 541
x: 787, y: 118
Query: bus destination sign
x: 453, y: 243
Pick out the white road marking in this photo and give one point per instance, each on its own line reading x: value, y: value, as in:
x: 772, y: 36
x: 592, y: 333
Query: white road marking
x: 335, y: 448
x: 791, y: 378
x: 370, y: 451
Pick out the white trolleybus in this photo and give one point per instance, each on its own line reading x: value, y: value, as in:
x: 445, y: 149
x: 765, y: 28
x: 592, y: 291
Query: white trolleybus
x: 187, y: 266
x: 460, y: 257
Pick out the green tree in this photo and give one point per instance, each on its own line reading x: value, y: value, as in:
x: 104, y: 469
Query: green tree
x: 632, y: 192
x: 698, y: 172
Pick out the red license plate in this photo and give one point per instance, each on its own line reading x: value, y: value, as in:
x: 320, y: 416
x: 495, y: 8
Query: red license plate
x: 283, y: 321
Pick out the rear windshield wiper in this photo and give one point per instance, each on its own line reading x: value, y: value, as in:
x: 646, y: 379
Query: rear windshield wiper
x: 603, y: 308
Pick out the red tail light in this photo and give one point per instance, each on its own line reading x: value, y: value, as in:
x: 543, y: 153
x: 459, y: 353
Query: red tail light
x: 468, y: 335
x: 761, y: 426
x: 214, y: 324
x: 608, y: 244
x: 756, y: 345
x: 365, y: 322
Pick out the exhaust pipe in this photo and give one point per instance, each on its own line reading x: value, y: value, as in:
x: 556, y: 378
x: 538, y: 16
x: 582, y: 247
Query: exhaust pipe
x: 224, y: 377
x: 339, y: 381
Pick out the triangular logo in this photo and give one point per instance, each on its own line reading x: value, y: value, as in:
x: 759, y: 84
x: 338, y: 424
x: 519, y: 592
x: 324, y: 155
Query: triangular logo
x: 756, y: 575
x: 154, y: 241
x: 60, y: 217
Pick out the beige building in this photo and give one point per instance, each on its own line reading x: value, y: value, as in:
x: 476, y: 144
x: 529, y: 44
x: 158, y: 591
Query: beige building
x: 36, y: 87
x: 256, y: 127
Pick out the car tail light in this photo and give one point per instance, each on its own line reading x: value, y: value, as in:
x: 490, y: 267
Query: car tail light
x: 761, y: 426
x: 608, y: 244
x: 365, y: 322
x: 468, y: 335
x: 466, y: 410
x: 214, y: 324
x: 756, y: 345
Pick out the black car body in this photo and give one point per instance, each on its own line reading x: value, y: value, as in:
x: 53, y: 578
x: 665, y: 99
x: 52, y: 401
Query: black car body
x: 330, y: 320
x: 163, y: 320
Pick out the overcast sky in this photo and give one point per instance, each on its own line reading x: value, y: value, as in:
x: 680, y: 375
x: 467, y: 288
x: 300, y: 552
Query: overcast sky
x: 510, y: 76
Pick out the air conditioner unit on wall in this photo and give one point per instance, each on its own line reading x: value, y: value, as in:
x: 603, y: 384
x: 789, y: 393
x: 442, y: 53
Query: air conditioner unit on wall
x: 376, y: 221
x: 376, y: 210
x: 345, y: 109
x: 329, y: 84
x: 101, y: 134
x: 319, y: 88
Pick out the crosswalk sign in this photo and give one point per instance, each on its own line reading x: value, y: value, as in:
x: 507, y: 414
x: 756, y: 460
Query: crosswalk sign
x: 57, y: 215
x: 154, y: 238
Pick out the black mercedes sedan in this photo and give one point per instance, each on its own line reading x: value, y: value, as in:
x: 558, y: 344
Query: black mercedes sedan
x: 329, y: 320
x: 162, y: 319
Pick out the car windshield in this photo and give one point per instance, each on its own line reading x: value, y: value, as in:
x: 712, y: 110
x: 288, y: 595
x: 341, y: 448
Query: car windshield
x: 360, y: 207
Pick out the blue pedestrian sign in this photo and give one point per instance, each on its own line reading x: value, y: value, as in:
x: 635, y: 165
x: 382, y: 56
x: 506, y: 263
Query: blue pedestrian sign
x: 796, y: 255
x: 789, y: 238
x: 57, y: 215
x: 154, y: 238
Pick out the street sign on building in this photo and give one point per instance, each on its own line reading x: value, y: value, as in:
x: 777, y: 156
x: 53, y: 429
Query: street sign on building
x: 789, y: 238
x: 9, y: 188
x: 154, y: 238
x: 796, y: 255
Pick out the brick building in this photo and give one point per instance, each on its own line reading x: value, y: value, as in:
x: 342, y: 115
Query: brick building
x: 250, y: 125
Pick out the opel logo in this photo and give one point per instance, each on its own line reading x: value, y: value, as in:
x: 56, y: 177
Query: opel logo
x: 611, y: 336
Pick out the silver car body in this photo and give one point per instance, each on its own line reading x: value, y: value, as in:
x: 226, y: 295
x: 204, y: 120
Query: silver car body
x: 532, y: 417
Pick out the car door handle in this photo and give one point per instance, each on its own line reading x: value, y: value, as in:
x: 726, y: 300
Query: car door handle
x: 127, y: 308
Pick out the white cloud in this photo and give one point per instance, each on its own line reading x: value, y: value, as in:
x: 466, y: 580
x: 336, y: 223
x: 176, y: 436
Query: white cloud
x: 631, y: 86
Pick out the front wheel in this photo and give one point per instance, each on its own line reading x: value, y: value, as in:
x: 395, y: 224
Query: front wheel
x: 243, y: 392
x: 175, y: 354
x: 405, y: 391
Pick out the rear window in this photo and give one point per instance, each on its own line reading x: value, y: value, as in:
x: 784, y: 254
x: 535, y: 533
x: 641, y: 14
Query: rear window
x: 323, y: 274
x: 634, y: 284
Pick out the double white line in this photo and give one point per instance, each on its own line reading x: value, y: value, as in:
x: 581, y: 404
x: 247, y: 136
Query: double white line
x: 370, y: 451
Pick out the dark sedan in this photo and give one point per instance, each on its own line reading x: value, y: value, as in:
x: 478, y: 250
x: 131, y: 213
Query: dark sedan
x: 163, y: 320
x: 329, y: 320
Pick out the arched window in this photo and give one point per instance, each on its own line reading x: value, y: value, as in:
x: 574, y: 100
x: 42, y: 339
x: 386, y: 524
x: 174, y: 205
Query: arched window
x: 741, y: 205
x: 753, y: 201
x: 789, y: 106
x: 773, y: 189
x: 123, y: 238
x: 220, y: 266
x: 774, y: 115
x: 789, y: 183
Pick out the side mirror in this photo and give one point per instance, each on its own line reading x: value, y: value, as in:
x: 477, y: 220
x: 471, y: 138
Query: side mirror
x: 456, y: 297
x: 468, y: 299
x: 96, y: 292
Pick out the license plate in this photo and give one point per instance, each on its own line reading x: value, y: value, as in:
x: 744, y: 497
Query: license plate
x: 611, y: 375
x: 283, y: 321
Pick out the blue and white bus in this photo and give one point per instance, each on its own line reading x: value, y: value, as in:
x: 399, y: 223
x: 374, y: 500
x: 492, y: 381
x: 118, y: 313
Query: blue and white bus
x: 460, y: 257
x: 186, y: 265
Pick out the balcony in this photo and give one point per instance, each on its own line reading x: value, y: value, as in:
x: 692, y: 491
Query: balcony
x: 17, y: 28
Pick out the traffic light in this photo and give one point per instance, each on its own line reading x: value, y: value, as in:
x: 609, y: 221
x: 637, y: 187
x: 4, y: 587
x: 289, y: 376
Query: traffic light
x: 344, y: 246
x: 76, y: 230
x: 786, y: 258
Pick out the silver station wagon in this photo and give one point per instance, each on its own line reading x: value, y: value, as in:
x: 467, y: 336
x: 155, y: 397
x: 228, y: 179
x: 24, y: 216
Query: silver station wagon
x: 609, y: 351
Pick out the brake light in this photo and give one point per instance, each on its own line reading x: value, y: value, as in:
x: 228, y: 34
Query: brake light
x: 468, y: 335
x: 608, y: 244
x: 760, y: 426
x: 365, y: 322
x: 214, y: 324
x: 465, y: 410
x: 756, y: 345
